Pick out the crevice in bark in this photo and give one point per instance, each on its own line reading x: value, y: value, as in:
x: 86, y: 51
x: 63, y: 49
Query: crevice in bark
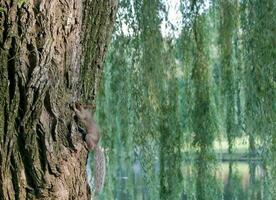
x: 20, y: 26
x: 42, y: 149
x: 6, y: 116
x: 67, y: 80
x: 11, y: 69
x: 27, y: 162
x: 22, y: 100
x: 32, y: 58
x: 15, y: 182
x: 53, y: 170
x: 70, y: 137
x: 53, y: 120
x: 36, y: 96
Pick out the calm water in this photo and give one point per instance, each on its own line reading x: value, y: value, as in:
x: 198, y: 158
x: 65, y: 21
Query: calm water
x: 201, y: 181
x: 221, y: 181
x: 228, y: 181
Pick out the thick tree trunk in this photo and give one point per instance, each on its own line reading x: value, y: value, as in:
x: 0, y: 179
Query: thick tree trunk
x: 42, y: 156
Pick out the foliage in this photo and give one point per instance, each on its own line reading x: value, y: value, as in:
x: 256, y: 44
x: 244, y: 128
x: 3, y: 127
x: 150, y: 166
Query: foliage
x: 165, y: 99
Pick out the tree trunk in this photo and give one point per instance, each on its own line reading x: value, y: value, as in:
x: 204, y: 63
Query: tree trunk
x: 42, y: 156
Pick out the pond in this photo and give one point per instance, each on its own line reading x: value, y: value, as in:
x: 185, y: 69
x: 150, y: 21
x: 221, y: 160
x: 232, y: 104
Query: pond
x: 221, y: 181
x: 231, y: 181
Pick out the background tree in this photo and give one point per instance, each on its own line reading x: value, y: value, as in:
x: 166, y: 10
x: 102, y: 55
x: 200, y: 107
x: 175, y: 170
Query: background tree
x: 203, y: 115
x: 259, y: 53
x: 228, y: 21
x: 259, y: 56
x: 45, y: 45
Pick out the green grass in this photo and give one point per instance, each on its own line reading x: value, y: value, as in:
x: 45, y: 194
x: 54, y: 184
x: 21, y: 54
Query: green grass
x: 240, y: 146
x: 240, y: 151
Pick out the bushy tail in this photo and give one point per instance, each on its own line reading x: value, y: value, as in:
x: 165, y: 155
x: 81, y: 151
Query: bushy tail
x: 98, y: 170
x: 95, y: 169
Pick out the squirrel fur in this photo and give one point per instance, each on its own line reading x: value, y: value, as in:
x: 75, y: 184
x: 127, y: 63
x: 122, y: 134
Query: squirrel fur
x: 92, y: 138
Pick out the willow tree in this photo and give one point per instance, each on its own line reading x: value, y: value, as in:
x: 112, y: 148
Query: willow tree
x: 260, y: 52
x: 159, y: 86
x: 259, y: 44
x: 203, y: 123
x: 148, y: 90
x: 116, y: 119
x: 228, y: 20
x: 44, y: 46
x: 204, y: 120
x: 171, y: 180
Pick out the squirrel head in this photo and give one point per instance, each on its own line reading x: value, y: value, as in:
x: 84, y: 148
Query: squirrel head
x: 82, y: 111
x: 80, y: 106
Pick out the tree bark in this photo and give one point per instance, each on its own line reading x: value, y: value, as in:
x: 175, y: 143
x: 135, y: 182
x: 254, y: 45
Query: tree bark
x: 42, y: 156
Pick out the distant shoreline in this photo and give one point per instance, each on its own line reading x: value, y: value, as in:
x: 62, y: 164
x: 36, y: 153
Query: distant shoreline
x: 226, y: 157
x: 238, y: 157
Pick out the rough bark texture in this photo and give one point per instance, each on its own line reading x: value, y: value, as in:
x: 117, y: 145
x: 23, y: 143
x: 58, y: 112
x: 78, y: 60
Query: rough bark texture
x: 42, y: 156
x: 97, y: 34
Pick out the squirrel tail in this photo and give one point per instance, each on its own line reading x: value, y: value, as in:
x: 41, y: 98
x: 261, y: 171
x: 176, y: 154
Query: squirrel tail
x: 96, y: 170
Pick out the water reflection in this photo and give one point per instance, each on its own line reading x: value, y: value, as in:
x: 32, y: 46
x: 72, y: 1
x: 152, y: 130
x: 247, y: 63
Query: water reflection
x: 225, y: 180
x: 243, y: 181
x: 203, y: 180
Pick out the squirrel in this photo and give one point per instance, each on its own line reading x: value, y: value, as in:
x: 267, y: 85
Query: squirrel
x: 92, y: 138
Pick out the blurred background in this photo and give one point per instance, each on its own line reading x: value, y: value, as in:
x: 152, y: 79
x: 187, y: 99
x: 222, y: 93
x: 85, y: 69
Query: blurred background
x: 187, y: 101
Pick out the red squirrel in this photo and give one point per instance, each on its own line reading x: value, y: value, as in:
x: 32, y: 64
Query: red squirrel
x: 92, y: 137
